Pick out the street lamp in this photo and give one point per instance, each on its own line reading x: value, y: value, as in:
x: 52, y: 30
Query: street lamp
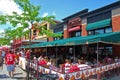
x: 28, y: 62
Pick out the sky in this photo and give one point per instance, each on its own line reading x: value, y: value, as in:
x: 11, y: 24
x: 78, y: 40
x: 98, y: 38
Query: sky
x: 59, y: 8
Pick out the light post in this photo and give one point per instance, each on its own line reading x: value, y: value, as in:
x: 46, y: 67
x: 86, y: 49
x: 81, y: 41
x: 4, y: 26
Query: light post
x: 28, y: 62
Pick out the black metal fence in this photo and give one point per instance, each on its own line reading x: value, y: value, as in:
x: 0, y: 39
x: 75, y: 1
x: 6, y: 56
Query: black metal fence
x: 35, y: 74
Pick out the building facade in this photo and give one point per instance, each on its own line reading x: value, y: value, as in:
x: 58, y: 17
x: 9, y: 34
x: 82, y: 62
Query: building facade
x: 86, y: 33
x: 100, y: 21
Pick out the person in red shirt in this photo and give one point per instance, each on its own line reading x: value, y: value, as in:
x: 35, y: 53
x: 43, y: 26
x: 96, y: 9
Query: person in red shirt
x: 10, y: 63
x: 28, y: 54
x: 42, y: 62
x: 66, y: 65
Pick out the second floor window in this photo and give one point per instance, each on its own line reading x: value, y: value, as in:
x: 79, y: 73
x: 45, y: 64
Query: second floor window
x: 75, y: 33
x: 107, y: 30
x: 78, y: 33
x: 58, y: 38
x: 100, y: 31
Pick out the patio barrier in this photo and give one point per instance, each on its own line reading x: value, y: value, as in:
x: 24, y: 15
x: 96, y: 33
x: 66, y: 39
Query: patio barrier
x: 104, y: 71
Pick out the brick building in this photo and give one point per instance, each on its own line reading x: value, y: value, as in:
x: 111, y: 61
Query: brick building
x: 86, y: 32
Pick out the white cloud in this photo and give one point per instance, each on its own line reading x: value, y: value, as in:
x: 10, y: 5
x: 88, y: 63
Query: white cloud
x: 1, y: 31
x: 8, y: 6
x: 45, y: 14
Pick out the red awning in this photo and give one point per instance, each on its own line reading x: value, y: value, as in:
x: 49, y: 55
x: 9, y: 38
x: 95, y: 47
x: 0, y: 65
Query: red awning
x: 74, y: 29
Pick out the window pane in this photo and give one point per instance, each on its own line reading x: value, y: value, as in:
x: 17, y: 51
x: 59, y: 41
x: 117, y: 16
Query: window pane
x: 107, y: 30
x: 108, y: 51
x: 90, y: 32
x: 77, y: 34
x: 100, y: 31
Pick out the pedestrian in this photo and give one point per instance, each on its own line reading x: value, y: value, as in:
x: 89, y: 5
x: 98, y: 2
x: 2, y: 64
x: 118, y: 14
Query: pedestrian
x: 1, y: 60
x: 27, y: 55
x: 10, y: 63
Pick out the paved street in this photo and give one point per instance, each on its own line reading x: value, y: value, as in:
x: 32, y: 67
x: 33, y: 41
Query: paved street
x: 19, y: 74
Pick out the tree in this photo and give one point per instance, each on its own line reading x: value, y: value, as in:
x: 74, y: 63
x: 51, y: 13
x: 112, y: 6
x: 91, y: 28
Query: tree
x: 30, y: 14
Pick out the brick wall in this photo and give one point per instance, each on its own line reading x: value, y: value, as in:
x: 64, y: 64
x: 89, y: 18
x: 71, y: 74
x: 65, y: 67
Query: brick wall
x: 66, y: 34
x: 84, y: 32
x: 116, y: 23
x: 116, y: 20
x: 84, y: 24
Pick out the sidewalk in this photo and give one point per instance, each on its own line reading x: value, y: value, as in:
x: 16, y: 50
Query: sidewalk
x: 19, y: 74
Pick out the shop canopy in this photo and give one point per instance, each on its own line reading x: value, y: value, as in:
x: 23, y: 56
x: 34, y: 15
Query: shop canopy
x: 109, y: 38
x: 99, y: 24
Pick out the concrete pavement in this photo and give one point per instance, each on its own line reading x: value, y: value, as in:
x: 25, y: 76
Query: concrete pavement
x: 19, y: 74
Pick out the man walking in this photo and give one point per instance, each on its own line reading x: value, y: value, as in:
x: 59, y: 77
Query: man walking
x: 10, y: 63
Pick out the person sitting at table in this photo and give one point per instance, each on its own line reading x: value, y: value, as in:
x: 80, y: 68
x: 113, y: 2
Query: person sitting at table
x: 73, y: 68
x: 42, y: 62
x: 79, y: 61
x: 66, y: 65
x: 82, y: 66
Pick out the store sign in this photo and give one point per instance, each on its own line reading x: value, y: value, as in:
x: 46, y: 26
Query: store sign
x: 74, y: 22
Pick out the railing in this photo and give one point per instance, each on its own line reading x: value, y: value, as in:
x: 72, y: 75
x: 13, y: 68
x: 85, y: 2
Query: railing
x: 103, y: 71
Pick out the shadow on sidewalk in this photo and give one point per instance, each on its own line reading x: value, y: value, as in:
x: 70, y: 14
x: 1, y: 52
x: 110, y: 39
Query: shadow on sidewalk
x: 3, y: 76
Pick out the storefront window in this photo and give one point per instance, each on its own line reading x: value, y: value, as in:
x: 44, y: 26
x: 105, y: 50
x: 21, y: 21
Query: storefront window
x: 84, y: 49
x: 109, y: 51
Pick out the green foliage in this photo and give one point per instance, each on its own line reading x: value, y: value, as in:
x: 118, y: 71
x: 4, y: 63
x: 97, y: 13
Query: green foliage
x: 30, y: 13
x: 3, y: 19
x: 4, y: 41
